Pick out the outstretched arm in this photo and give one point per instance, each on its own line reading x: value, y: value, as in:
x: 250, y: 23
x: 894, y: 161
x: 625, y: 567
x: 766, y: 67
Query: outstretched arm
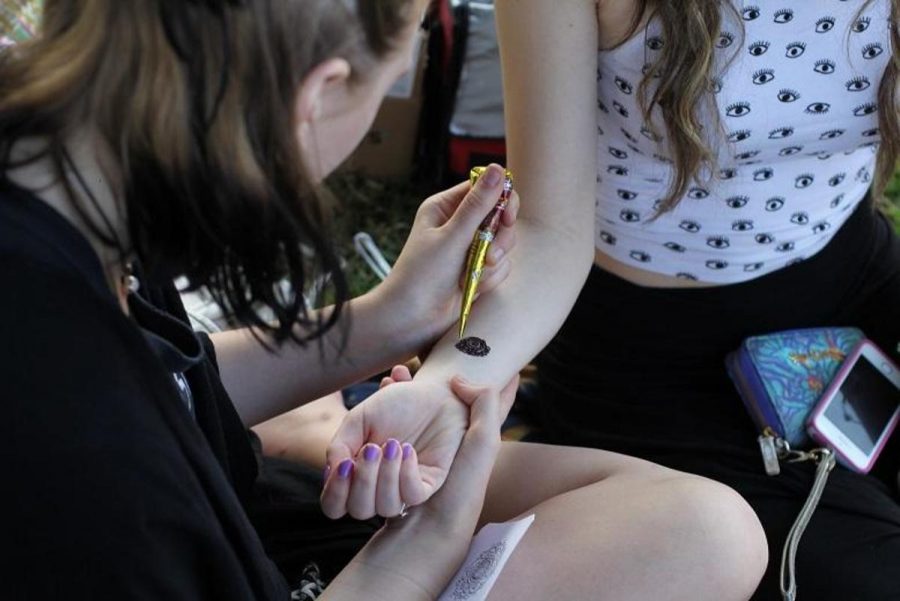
x: 549, y: 57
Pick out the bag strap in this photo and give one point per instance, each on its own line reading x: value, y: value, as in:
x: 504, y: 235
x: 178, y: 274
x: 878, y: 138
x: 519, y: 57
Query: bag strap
x: 824, y: 458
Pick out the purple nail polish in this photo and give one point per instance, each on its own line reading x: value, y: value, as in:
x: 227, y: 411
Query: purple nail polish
x: 407, y: 450
x: 392, y: 449
x: 371, y: 452
x: 344, y: 468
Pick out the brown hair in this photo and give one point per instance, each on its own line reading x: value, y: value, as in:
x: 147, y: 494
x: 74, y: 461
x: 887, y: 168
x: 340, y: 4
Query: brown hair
x: 193, y: 99
x: 682, y: 78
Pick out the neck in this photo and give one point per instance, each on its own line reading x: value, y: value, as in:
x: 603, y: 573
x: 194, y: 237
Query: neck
x: 41, y: 178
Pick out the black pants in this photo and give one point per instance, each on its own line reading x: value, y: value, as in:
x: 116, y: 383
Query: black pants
x: 640, y: 371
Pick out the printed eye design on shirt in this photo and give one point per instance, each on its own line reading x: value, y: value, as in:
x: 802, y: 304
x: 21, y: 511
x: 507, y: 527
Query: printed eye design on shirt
x: 837, y: 201
x: 749, y: 267
x: 861, y: 24
x: 739, y: 135
x: 698, y: 193
x: 617, y: 170
x: 818, y: 108
x: 863, y: 175
x: 751, y: 13
x: 837, y: 180
x: 626, y: 194
x: 738, y: 109
x: 821, y: 228
x: 774, y: 204
x: 781, y: 133
x: 624, y: 86
x: 800, y: 218
x: 790, y: 151
x: 758, y: 48
x: 788, y: 95
x: 825, y: 24
x: 727, y: 173
x: 765, y: 238
x: 718, y: 242
x: 655, y: 43
x: 785, y: 15
x: 619, y: 154
x: 650, y: 134
x: 872, y: 50
x: 628, y: 136
x: 602, y: 107
x: 726, y: 39
x: 640, y: 256
x: 715, y: 85
x: 763, y: 76
x: 858, y: 84
x: 686, y: 276
x: 761, y: 175
x: 646, y: 69
x: 629, y: 216
x: 717, y: 264
x: 608, y: 238
x: 742, y: 225
x: 745, y: 156
x: 785, y: 247
x: 795, y: 49
x: 871, y: 132
x: 692, y: 227
x: 675, y: 247
x: 804, y: 181
x: 620, y: 108
x: 831, y: 134
x: 864, y: 110
x: 825, y: 66
x: 737, y: 202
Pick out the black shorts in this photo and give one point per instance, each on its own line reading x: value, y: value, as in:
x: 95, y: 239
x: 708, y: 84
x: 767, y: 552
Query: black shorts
x: 641, y: 371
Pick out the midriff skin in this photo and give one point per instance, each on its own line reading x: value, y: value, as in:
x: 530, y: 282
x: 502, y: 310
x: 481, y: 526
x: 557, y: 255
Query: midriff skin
x: 642, y: 277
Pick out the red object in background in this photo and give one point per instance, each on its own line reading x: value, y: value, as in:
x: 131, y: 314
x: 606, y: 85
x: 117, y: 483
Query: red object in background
x: 465, y: 153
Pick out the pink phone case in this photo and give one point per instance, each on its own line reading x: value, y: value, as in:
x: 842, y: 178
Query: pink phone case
x: 836, y: 383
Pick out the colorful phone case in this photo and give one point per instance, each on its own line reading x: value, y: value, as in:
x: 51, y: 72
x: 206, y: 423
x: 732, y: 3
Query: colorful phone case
x: 835, y: 383
x: 781, y: 376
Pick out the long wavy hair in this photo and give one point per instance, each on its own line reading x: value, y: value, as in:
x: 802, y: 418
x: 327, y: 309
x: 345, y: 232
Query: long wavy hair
x: 193, y: 100
x: 679, y: 83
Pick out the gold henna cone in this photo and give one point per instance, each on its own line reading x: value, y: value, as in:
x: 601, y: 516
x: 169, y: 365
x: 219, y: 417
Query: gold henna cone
x: 480, y: 246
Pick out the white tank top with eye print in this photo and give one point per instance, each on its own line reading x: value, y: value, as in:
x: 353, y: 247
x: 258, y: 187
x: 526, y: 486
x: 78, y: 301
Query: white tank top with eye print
x: 798, y: 104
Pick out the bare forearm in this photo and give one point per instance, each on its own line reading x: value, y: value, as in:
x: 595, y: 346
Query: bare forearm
x: 548, y: 51
x: 263, y: 384
x: 406, y: 564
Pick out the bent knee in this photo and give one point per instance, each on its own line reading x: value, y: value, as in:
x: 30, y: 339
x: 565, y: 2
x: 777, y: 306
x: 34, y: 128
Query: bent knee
x: 721, y: 529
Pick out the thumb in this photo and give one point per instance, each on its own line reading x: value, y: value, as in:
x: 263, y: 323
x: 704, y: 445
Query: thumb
x: 476, y: 205
x: 483, y: 402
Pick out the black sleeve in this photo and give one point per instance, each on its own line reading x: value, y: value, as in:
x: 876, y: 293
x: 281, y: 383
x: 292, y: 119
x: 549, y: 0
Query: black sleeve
x: 108, y: 497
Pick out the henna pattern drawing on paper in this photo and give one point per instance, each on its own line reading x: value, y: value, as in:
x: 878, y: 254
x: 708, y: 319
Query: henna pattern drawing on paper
x: 473, y: 346
x: 479, y: 572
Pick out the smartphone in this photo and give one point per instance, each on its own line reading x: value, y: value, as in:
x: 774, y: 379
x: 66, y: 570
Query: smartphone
x: 859, y: 409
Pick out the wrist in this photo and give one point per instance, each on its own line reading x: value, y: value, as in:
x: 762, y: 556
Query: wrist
x: 411, y: 312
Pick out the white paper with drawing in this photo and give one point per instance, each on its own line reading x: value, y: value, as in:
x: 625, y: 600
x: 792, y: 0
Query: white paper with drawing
x: 488, y: 553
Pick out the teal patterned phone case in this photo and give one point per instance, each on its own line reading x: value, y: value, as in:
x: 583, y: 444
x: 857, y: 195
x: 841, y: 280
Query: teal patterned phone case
x: 781, y: 376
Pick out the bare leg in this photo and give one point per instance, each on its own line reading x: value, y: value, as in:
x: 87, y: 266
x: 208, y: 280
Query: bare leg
x: 302, y: 435
x: 613, y: 527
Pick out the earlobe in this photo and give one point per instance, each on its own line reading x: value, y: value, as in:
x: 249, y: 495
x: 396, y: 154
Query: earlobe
x: 316, y: 88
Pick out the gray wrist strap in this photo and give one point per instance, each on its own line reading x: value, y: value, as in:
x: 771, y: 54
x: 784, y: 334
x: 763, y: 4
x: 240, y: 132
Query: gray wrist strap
x: 825, y: 461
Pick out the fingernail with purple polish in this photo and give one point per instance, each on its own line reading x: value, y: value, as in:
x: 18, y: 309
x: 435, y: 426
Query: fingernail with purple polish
x: 371, y: 452
x: 392, y: 449
x: 344, y: 468
x: 407, y: 450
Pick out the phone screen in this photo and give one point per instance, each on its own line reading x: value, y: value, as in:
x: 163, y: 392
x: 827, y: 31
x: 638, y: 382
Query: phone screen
x: 863, y: 405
